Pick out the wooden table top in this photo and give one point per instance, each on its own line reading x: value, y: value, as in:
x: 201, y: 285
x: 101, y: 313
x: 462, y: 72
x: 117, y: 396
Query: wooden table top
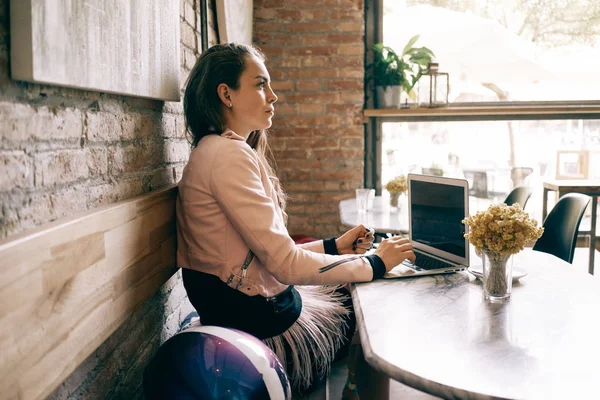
x: 437, y: 334
x: 585, y: 186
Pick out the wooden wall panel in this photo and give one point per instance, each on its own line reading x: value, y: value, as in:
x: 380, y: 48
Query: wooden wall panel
x: 67, y: 286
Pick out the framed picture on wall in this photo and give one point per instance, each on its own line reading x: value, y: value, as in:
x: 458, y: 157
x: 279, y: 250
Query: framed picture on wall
x: 572, y: 164
x: 128, y: 47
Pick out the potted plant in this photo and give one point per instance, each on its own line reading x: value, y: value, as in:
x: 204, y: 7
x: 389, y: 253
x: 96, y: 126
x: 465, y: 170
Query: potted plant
x: 395, y: 74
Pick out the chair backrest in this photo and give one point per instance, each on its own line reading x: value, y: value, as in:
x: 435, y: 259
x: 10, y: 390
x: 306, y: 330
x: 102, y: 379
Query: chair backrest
x: 519, y: 174
x: 519, y: 195
x: 561, y: 226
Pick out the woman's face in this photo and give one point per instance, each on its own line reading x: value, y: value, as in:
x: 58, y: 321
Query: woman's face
x: 252, y: 103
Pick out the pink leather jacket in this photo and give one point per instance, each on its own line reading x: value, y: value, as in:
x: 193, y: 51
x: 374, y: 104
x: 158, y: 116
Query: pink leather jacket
x: 227, y: 205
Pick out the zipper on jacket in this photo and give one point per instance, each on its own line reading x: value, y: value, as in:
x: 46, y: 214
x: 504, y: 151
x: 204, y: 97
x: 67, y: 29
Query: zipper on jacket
x: 335, y: 264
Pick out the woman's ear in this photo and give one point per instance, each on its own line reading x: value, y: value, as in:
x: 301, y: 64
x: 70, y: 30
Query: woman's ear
x: 224, y: 94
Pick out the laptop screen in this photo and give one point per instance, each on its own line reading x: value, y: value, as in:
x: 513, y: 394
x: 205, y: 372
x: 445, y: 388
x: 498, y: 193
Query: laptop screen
x: 437, y: 211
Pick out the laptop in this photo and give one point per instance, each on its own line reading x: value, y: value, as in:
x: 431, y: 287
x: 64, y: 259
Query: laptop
x: 436, y: 208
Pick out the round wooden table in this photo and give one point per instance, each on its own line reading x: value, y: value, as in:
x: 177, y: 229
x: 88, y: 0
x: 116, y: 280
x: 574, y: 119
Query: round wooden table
x: 438, y: 335
x: 380, y: 217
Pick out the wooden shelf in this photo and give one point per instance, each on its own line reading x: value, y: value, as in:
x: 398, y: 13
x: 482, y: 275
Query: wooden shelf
x: 499, y: 111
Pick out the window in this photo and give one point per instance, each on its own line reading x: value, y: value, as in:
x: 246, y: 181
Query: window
x: 514, y: 50
x: 524, y: 94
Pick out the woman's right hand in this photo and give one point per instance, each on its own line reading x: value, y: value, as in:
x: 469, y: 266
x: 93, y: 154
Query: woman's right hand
x: 394, y: 250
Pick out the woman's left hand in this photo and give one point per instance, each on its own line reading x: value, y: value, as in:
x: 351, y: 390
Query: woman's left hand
x: 356, y: 241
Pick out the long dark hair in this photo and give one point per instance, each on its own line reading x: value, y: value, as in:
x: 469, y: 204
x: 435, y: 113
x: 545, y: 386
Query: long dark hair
x: 203, y: 109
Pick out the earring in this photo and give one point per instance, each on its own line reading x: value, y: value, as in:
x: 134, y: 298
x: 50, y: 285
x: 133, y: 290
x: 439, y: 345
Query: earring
x: 230, y: 105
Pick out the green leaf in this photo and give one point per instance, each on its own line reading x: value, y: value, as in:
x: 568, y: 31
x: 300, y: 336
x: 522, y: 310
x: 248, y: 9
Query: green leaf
x: 410, y: 44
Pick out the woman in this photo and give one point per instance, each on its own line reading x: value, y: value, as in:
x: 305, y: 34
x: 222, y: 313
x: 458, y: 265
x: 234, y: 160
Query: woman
x: 239, y: 263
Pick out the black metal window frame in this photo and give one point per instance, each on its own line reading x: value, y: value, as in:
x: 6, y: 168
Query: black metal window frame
x: 374, y: 119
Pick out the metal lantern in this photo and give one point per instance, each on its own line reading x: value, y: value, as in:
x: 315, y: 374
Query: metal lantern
x: 434, y: 87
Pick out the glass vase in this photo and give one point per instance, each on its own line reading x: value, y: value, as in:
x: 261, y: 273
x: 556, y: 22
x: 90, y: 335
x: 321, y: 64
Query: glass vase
x: 497, y: 276
x: 394, y: 197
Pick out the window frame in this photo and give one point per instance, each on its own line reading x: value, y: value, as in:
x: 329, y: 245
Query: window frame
x: 485, y: 111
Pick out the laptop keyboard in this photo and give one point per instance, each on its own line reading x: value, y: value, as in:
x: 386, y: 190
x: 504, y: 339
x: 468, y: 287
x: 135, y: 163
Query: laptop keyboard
x: 423, y: 261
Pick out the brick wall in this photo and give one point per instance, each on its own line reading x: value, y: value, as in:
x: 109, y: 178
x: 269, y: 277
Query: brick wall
x: 67, y: 150
x: 315, y: 53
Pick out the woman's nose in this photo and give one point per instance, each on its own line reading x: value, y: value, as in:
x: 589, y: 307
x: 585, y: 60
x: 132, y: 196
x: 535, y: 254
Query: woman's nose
x: 273, y: 98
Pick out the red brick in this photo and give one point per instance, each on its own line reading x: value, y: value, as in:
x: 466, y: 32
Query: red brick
x: 303, y: 186
x: 351, y: 73
x: 287, y: 61
x: 281, y: 131
x: 351, y: 4
x: 316, y: 4
x: 282, y: 85
x: 314, y: 39
x: 350, y: 26
x: 312, y: 73
x: 298, y: 175
x: 356, y: 63
x: 317, y: 121
x: 312, y: 97
x: 350, y: 38
x: 351, y: 15
x: 289, y: 15
x: 268, y: 27
x: 321, y: 131
x: 311, y: 50
x: 315, y: 15
x: 344, y: 109
x: 307, y: 27
x: 261, y: 14
x: 285, y: 108
x: 345, y: 85
x: 308, y: 86
x: 315, y: 61
x: 353, y: 153
x: 352, y: 143
x: 351, y: 49
x: 311, y: 109
x: 352, y: 97
x: 267, y: 3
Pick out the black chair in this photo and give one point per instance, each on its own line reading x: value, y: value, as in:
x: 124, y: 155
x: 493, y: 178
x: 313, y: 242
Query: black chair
x: 519, y: 195
x: 519, y: 174
x: 561, y: 226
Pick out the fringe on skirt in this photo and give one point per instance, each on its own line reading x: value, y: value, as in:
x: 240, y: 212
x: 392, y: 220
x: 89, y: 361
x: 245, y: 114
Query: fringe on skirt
x: 314, y: 338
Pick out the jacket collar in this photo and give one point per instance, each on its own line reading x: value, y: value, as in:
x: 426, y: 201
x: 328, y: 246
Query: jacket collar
x: 229, y: 134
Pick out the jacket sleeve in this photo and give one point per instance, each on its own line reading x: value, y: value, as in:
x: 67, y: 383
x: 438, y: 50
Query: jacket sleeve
x: 316, y: 246
x: 236, y: 184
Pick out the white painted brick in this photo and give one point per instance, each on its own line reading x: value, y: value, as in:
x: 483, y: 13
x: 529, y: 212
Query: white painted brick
x: 22, y: 122
x: 166, y: 126
x: 133, y: 157
x: 136, y: 126
x: 68, y: 202
x: 177, y: 151
x: 189, y: 14
x: 103, y: 126
x: 17, y: 170
x: 97, y: 160
x: 188, y: 37
x: 109, y: 193
x: 60, y: 167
